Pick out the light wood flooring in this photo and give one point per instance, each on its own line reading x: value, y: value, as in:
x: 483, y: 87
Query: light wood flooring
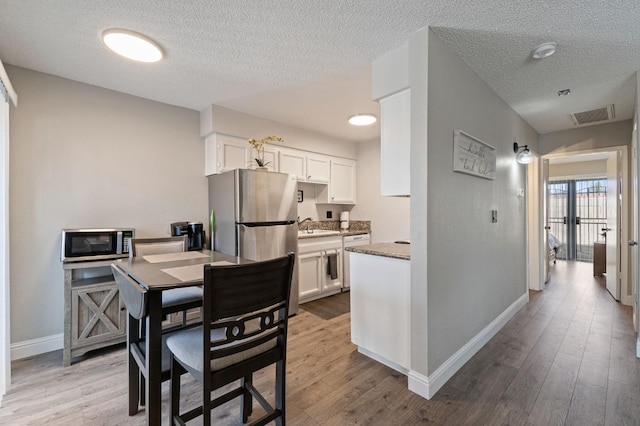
x: 568, y: 357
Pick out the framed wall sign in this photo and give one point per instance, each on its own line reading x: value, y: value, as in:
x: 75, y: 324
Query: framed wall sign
x: 472, y: 156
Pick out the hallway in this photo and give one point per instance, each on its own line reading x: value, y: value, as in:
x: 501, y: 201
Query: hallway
x: 568, y: 357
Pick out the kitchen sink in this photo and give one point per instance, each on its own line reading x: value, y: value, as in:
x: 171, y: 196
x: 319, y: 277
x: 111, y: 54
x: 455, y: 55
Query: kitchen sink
x: 318, y: 232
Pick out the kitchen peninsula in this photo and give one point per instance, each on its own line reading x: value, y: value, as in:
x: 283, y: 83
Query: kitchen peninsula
x: 380, y: 302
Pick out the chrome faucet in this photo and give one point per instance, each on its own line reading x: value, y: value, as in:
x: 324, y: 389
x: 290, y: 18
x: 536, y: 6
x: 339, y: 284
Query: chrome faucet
x: 300, y: 222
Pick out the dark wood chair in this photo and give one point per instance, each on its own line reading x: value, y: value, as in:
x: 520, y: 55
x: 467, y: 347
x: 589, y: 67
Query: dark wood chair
x: 179, y: 299
x: 244, y: 329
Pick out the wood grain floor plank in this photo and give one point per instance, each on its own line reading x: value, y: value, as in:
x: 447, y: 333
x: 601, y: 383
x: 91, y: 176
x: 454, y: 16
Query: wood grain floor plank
x: 568, y: 357
x: 587, y: 405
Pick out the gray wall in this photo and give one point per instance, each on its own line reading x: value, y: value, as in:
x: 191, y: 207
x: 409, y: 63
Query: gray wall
x: 585, y: 138
x: 82, y: 156
x: 234, y: 123
x: 475, y: 268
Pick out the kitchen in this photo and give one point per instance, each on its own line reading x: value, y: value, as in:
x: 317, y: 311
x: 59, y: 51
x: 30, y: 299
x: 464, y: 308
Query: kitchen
x: 83, y: 155
x: 95, y: 153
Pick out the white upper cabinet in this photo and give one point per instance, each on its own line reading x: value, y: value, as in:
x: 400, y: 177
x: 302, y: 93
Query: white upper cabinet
x: 224, y: 153
x: 335, y: 177
x: 342, y: 183
x: 395, y: 144
x: 318, y: 168
x: 294, y: 162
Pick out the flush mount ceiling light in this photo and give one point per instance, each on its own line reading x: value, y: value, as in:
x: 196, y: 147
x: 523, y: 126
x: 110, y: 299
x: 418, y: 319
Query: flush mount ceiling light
x: 362, y: 119
x: 525, y: 156
x: 132, y: 45
x: 544, y: 50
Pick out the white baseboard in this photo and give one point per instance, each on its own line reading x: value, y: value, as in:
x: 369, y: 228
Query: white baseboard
x: 38, y: 346
x: 427, y: 387
x: 382, y: 360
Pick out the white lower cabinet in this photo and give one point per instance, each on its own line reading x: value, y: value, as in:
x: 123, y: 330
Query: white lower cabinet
x: 381, y: 309
x: 314, y: 277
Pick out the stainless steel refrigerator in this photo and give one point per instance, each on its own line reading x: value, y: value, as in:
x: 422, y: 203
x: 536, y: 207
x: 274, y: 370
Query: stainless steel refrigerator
x: 256, y: 217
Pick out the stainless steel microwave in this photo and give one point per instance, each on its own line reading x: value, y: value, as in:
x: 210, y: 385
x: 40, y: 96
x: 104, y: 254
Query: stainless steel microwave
x: 79, y: 245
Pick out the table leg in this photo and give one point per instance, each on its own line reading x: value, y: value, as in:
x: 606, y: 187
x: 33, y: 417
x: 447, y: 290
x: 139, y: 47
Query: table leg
x: 153, y: 358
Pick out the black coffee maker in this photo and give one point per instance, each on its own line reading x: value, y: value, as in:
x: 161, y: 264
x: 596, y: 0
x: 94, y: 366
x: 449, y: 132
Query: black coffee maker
x: 194, y: 231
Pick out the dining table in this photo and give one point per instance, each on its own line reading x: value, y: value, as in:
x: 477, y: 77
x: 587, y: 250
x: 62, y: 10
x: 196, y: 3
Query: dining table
x: 155, y: 274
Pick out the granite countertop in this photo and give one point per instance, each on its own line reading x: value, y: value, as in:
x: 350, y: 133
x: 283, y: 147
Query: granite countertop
x: 390, y: 249
x: 344, y: 232
x: 356, y: 227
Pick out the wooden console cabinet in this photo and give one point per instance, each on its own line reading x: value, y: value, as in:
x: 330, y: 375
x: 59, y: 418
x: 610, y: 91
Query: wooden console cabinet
x: 94, y: 316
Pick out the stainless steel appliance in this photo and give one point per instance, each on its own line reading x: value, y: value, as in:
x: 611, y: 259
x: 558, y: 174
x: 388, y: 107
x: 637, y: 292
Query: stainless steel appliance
x: 255, y: 217
x: 193, y: 230
x: 79, y: 245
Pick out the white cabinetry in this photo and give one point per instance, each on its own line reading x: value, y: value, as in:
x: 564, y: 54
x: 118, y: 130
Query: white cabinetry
x: 318, y: 168
x: 223, y: 153
x: 336, y: 177
x: 381, y: 309
x: 342, y: 183
x: 314, y: 279
x: 395, y: 140
x: 294, y: 162
x: 307, y: 166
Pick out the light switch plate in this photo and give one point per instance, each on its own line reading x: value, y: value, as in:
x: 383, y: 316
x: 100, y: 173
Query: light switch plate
x: 520, y: 192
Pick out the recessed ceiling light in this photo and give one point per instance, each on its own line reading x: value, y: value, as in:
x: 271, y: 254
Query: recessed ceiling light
x: 362, y: 119
x: 544, y: 50
x: 132, y: 45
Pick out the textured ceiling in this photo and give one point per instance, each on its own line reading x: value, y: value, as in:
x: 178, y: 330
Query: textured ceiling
x: 307, y: 63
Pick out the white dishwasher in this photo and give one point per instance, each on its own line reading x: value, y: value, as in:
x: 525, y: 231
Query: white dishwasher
x: 351, y: 241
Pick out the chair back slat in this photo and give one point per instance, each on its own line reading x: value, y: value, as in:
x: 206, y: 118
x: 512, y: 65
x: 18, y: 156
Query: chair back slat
x: 247, y: 304
x: 241, y: 289
x: 162, y: 245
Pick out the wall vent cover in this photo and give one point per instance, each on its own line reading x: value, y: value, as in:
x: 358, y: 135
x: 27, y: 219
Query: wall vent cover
x: 596, y: 115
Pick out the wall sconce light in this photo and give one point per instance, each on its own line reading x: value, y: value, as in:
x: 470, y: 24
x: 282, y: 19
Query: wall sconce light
x: 525, y: 156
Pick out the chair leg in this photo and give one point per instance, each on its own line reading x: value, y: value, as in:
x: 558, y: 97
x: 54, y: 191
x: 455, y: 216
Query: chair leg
x: 142, y: 391
x: 280, y: 392
x: 247, y: 398
x: 174, y: 396
x: 206, y: 399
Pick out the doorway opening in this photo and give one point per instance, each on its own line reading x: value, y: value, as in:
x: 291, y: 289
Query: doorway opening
x: 577, y: 217
x: 586, y: 212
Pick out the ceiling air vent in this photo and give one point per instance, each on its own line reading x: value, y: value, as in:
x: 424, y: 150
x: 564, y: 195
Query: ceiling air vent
x: 587, y: 117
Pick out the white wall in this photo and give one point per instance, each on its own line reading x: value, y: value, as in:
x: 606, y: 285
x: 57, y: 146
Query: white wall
x: 475, y: 269
x: 390, y: 216
x: 82, y: 156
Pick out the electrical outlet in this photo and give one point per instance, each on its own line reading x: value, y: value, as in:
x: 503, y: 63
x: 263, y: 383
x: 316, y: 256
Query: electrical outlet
x: 329, y: 214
